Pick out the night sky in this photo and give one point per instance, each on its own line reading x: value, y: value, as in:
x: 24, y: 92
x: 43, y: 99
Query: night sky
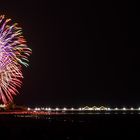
x: 80, y: 53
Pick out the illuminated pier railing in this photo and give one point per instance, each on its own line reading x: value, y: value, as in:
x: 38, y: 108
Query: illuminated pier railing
x: 84, y: 109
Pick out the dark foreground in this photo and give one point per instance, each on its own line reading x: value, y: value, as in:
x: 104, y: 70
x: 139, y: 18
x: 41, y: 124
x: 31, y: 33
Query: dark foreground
x: 70, y: 126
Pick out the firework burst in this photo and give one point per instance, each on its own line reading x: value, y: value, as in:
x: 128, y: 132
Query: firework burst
x: 13, y: 54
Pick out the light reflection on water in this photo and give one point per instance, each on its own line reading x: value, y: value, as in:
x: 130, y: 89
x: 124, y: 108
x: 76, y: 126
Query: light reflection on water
x: 75, y: 126
x: 70, y: 116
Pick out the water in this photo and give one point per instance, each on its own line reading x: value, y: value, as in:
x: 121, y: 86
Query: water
x: 70, y: 126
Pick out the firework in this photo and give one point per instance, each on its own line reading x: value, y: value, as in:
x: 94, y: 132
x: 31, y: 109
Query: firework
x: 13, y: 54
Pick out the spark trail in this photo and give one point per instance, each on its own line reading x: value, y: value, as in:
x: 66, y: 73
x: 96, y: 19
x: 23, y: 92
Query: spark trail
x: 13, y: 54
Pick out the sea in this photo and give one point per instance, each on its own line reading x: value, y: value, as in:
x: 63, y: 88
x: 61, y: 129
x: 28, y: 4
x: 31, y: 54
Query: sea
x: 65, y: 126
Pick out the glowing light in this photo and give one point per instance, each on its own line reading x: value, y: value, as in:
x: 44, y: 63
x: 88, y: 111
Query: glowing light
x: 79, y: 108
x: 90, y: 108
x: 37, y: 109
x: 124, y: 108
x: 64, y: 108
x: 131, y: 108
x: 86, y: 108
x: 28, y: 108
x: 57, y: 109
x: 13, y: 54
x: 103, y: 108
x: 98, y: 108
x: 108, y: 108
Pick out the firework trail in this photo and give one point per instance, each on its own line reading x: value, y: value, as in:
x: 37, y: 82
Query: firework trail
x: 13, y: 54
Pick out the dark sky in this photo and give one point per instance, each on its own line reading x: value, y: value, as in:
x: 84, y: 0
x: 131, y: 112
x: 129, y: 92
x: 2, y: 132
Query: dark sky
x: 80, y: 54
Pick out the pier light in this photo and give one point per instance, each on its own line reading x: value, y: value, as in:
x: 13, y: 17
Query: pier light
x: 139, y: 108
x: 108, y: 108
x: 97, y: 108
x: 64, y: 108
x: 90, y: 108
x: 116, y: 108
x: 57, y: 108
x: 35, y: 109
x: 72, y: 108
x: 79, y: 108
x: 28, y: 108
x: 131, y: 108
x: 124, y: 108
